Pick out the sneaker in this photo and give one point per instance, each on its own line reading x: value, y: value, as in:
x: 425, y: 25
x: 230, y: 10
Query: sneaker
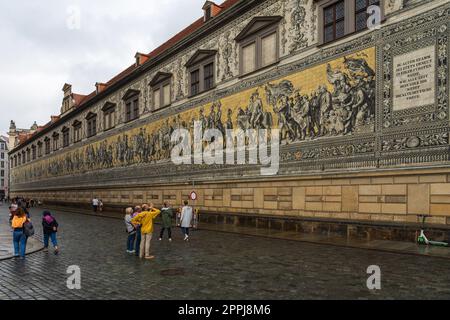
x: 56, y: 251
x: 186, y: 237
x: 160, y: 239
x: 150, y: 257
x: 170, y: 240
x: 133, y: 251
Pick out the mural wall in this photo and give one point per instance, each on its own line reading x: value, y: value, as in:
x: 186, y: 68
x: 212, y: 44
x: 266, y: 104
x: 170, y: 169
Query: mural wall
x: 331, y: 99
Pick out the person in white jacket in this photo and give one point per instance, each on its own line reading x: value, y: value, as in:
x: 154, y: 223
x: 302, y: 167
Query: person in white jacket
x: 186, y: 219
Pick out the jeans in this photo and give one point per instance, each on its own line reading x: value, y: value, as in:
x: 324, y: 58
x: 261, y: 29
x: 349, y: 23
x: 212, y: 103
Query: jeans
x: 20, y: 243
x: 138, y: 240
x: 145, y: 245
x: 169, y: 230
x: 185, y: 231
x: 130, y: 241
x: 52, y: 237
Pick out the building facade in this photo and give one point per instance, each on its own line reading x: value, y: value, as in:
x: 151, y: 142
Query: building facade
x: 363, y: 115
x: 4, y: 168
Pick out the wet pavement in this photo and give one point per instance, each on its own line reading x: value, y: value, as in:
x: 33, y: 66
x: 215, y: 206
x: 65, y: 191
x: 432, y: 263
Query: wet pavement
x: 213, y: 265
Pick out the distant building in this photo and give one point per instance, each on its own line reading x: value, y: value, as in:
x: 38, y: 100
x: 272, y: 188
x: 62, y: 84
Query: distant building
x: 4, y: 167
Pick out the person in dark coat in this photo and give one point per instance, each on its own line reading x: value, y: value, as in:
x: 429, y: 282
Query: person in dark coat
x: 50, y: 228
x: 166, y: 215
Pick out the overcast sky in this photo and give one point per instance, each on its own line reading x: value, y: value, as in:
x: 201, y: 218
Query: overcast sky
x: 43, y: 46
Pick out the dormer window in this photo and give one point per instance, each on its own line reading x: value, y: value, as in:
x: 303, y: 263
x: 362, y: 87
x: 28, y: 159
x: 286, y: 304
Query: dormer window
x: 210, y: 10
x: 258, y: 43
x: 201, y: 71
x: 161, y: 89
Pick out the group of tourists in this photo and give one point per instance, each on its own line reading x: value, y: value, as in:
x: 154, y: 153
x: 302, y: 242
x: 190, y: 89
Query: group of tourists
x: 20, y: 221
x: 139, y: 226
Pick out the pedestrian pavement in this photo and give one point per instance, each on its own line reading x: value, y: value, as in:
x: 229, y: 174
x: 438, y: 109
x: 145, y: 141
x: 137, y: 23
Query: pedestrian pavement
x: 212, y: 265
x: 330, y: 239
x: 6, y: 243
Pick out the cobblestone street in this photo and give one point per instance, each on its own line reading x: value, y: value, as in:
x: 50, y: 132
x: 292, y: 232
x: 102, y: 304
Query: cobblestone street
x: 212, y: 266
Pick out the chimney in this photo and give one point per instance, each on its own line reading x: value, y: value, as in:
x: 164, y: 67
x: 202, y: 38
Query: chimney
x: 141, y: 58
x: 99, y: 87
x: 210, y: 10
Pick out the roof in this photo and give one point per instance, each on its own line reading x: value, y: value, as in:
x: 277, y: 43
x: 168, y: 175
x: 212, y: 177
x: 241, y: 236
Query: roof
x: 81, y: 100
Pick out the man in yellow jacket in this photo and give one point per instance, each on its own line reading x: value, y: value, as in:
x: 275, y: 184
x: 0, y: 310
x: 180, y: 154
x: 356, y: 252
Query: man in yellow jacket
x: 145, y: 219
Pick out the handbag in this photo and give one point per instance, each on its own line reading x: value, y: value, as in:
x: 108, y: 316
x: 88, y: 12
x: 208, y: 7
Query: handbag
x: 28, y: 228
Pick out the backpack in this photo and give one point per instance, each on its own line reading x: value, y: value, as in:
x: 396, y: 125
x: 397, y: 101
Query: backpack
x: 28, y: 228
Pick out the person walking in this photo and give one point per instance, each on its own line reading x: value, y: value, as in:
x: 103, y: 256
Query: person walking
x: 95, y: 204
x: 145, y: 219
x: 19, y: 237
x: 166, y: 215
x: 137, y: 210
x: 50, y: 228
x: 186, y: 219
x: 131, y: 230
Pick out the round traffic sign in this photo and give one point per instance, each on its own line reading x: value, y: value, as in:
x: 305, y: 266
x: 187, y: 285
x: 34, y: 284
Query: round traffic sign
x: 193, y: 196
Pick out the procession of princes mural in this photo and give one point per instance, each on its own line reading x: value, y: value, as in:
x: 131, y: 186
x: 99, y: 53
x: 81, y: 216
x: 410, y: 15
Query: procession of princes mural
x: 345, y: 105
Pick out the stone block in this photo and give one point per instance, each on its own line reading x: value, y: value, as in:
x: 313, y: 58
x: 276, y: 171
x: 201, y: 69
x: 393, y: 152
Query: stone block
x: 370, y: 190
x: 314, y: 191
x: 406, y: 179
x: 298, y: 197
x: 433, y: 178
x: 350, y: 198
x: 368, y: 199
x: 370, y: 207
x: 332, y: 190
x: 393, y: 208
x: 440, y: 210
x: 313, y: 206
x: 440, y: 189
x: 394, y: 189
x: 332, y: 206
x: 440, y: 199
x: 382, y: 180
x: 418, y: 199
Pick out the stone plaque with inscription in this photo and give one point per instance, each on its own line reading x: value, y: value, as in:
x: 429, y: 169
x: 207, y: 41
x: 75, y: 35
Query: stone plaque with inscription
x: 414, y: 79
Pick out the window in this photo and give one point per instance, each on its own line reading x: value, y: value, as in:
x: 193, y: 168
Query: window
x: 201, y: 71
x: 249, y: 58
x: 39, y: 149
x: 33, y: 153
x: 55, y: 141
x: 338, y: 18
x: 258, y: 43
x: 2, y: 173
x: 47, y: 145
x: 76, y: 131
x: 66, y: 137
x: 28, y: 155
x: 2, y: 164
x: 2, y: 155
x: 109, y: 115
x: 195, y: 82
x: 209, y: 76
x: 91, y: 124
x: 2, y: 146
x: 2, y: 183
x: 15, y: 161
x: 131, y: 99
x: 361, y: 15
x: 334, y: 21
